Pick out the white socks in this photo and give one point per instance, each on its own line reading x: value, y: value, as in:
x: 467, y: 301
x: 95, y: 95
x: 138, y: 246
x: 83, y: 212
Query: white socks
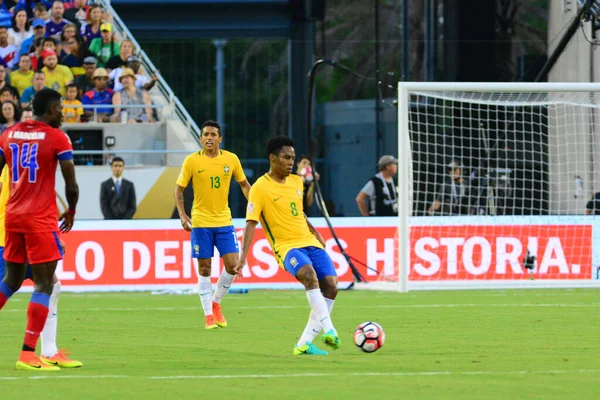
x: 320, y: 309
x: 313, y: 327
x: 223, y: 285
x: 48, y: 335
x: 205, y: 291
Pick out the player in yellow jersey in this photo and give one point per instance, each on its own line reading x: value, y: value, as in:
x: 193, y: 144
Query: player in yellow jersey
x: 276, y: 202
x: 211, y: 171
x: 50, y: 353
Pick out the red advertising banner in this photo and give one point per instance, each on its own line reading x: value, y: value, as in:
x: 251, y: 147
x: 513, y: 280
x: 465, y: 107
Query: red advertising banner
x: 130, y: 258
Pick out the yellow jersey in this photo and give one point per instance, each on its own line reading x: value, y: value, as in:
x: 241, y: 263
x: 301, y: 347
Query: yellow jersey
x: 21, y: 81
x: 211, y: 179
x: 71, y: 113
x: 3, y: 200
x: 58, y: 79
x: 278, y: 207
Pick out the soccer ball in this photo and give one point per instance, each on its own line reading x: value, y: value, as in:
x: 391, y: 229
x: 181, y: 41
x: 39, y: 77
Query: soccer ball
x: 369, y: 337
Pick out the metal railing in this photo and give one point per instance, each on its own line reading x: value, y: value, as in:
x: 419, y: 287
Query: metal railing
x: 123, y: 116
x: 149, y: 68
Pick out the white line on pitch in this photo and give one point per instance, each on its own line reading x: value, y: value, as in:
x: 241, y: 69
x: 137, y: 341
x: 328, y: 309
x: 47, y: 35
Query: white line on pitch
x: 315, y: 375
x: 566, y: 305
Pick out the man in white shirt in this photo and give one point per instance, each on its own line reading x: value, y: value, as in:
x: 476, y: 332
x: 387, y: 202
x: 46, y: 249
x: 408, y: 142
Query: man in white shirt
x: 117, y: 195
x: 8, y: 52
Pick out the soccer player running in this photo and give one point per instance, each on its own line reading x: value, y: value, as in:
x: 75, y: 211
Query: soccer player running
x: 32, y: 150
x: 276, y: 201
x: 210, y: 171
x: 49, y: 353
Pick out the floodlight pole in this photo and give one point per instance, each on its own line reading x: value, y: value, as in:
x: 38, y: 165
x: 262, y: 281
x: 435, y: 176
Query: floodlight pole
x: 564, y: 41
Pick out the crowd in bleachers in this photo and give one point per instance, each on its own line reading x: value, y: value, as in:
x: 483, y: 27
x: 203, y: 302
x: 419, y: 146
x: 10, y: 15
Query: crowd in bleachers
x: 69, y: 46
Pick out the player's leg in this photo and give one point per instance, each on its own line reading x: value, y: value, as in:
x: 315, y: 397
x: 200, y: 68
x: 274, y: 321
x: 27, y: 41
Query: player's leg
x: 50, y: 353
x: 228, y: 246
x: 327, y: 277
x: 203, y: 251
x: 298, y: 263
x: 43, y: 251
x: 12, y: 273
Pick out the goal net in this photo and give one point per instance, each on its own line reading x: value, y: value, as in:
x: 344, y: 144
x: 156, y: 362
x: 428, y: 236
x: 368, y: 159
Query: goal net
x: 494, y: 183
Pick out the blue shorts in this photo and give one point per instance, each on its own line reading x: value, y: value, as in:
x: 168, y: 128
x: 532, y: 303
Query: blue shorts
x: 318, y: 258
x: 28, y: 274
x: 204, y: 241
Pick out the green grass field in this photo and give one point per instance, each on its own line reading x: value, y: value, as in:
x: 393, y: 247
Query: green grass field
x: 468, y: 344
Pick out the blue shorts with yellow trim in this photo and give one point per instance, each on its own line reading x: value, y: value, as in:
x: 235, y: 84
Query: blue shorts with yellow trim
x: 204, y: 241
x: 28, y: 273
x: 318, y: 258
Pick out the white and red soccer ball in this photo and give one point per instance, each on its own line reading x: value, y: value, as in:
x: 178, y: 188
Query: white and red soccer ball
x: 369, y: 337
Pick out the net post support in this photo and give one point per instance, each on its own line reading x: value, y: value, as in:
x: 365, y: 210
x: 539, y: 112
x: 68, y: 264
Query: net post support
x: 404, y: 192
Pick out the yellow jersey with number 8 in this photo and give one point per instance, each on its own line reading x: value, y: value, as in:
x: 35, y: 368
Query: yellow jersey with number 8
x: 211, y: 179
x: 278, y: 207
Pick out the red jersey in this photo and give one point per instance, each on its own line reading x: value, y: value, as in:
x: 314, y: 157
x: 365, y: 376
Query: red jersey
x: 32, y: 150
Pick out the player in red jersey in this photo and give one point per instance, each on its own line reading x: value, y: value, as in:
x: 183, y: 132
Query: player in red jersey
x: 32, y: 151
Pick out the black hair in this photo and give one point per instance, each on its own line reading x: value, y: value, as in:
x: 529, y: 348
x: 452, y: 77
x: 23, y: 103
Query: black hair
x: 70, y: 85
x: 212, y: 123
x: 275, y: 144
x: 27, y: 108
x: 14, y: 20
x: 40, y: 7
x: 117, y: 159
x: 17, y: 110
x: 42, y: 101
x: 50, y: 39
x: 304, y: 157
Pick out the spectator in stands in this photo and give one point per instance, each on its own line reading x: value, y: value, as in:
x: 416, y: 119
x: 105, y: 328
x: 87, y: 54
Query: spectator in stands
x: 100, y: 95
x: 105, y: 47
x: 39, y: 82
x: 120, y: 60
x: 39, y: 31
x: 72, y: 114
x: 91, y: 29
x: 452, y: 197
x: 9, y: 93
x: 36, y: 62
x: 77, y: 13
x: 56, y: 23
x: 75, y: 52
x: 68, y: 32
x: 3, y: 76
x: 22, y: 78
x: 593, y: 206
x: 141, y: 81
x: 304, y: 169
x: 20, y: 30
x: 86, y: 82
x: 10, y: 115
x: 132, y: 96
x: 57, y: 76
x: 27, y: 114
x: 40, y: 10
x: 117, y: 195
x: 8, y: 52
x: 380, y: 190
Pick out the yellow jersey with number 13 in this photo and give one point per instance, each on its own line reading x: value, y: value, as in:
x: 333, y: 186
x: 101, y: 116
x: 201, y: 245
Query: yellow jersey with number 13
x: 278, y: 207
x: 211, y: 179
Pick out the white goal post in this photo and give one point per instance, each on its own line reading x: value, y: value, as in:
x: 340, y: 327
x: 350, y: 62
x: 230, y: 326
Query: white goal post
x: 494, y: 180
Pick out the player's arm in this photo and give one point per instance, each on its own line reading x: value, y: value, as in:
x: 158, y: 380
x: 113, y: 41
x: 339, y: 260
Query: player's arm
x: 246, y: 242
x: 67, y: 168
x: 240, y: 177
x: 253, y: 213
x: 185, y: 175
x: 314, y: 231
x: 310, y: 194
x: 245, y: 186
